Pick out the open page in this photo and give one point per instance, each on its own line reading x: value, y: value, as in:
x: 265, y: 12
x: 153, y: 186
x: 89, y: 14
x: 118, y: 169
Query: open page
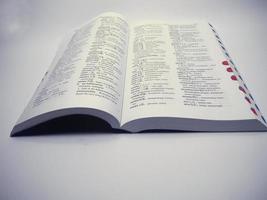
x: 88, y: 72
x: 180, y: 71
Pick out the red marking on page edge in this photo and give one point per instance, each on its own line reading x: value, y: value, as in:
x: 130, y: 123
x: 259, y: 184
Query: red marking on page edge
x: 225, y: 62
x: 234, y: 78
x: 242, y: 89
x: 248, y: 100
x: 229, y: 69
x: 254, y: 111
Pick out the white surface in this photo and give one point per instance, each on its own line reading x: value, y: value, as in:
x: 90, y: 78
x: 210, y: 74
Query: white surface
x: 127, y: 166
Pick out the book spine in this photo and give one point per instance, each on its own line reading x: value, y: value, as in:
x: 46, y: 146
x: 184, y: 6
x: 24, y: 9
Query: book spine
x: 235, y: 75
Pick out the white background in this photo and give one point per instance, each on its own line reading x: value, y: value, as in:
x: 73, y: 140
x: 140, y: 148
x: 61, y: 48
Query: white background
x: 127, y: 166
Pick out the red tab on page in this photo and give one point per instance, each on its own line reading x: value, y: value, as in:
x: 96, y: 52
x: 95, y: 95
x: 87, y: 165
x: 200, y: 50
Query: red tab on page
x: 248, y: 100
x: 242, y: 89
x: 234, y: 78
x: 254, y: 111
x: 229, y: 69
x: 225, y: 62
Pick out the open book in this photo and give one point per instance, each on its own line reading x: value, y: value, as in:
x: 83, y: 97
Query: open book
x: 145, y: 76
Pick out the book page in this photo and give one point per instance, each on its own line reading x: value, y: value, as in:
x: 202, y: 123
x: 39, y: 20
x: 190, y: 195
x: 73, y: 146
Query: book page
x: 177, y: 70
x: 88, y: 70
